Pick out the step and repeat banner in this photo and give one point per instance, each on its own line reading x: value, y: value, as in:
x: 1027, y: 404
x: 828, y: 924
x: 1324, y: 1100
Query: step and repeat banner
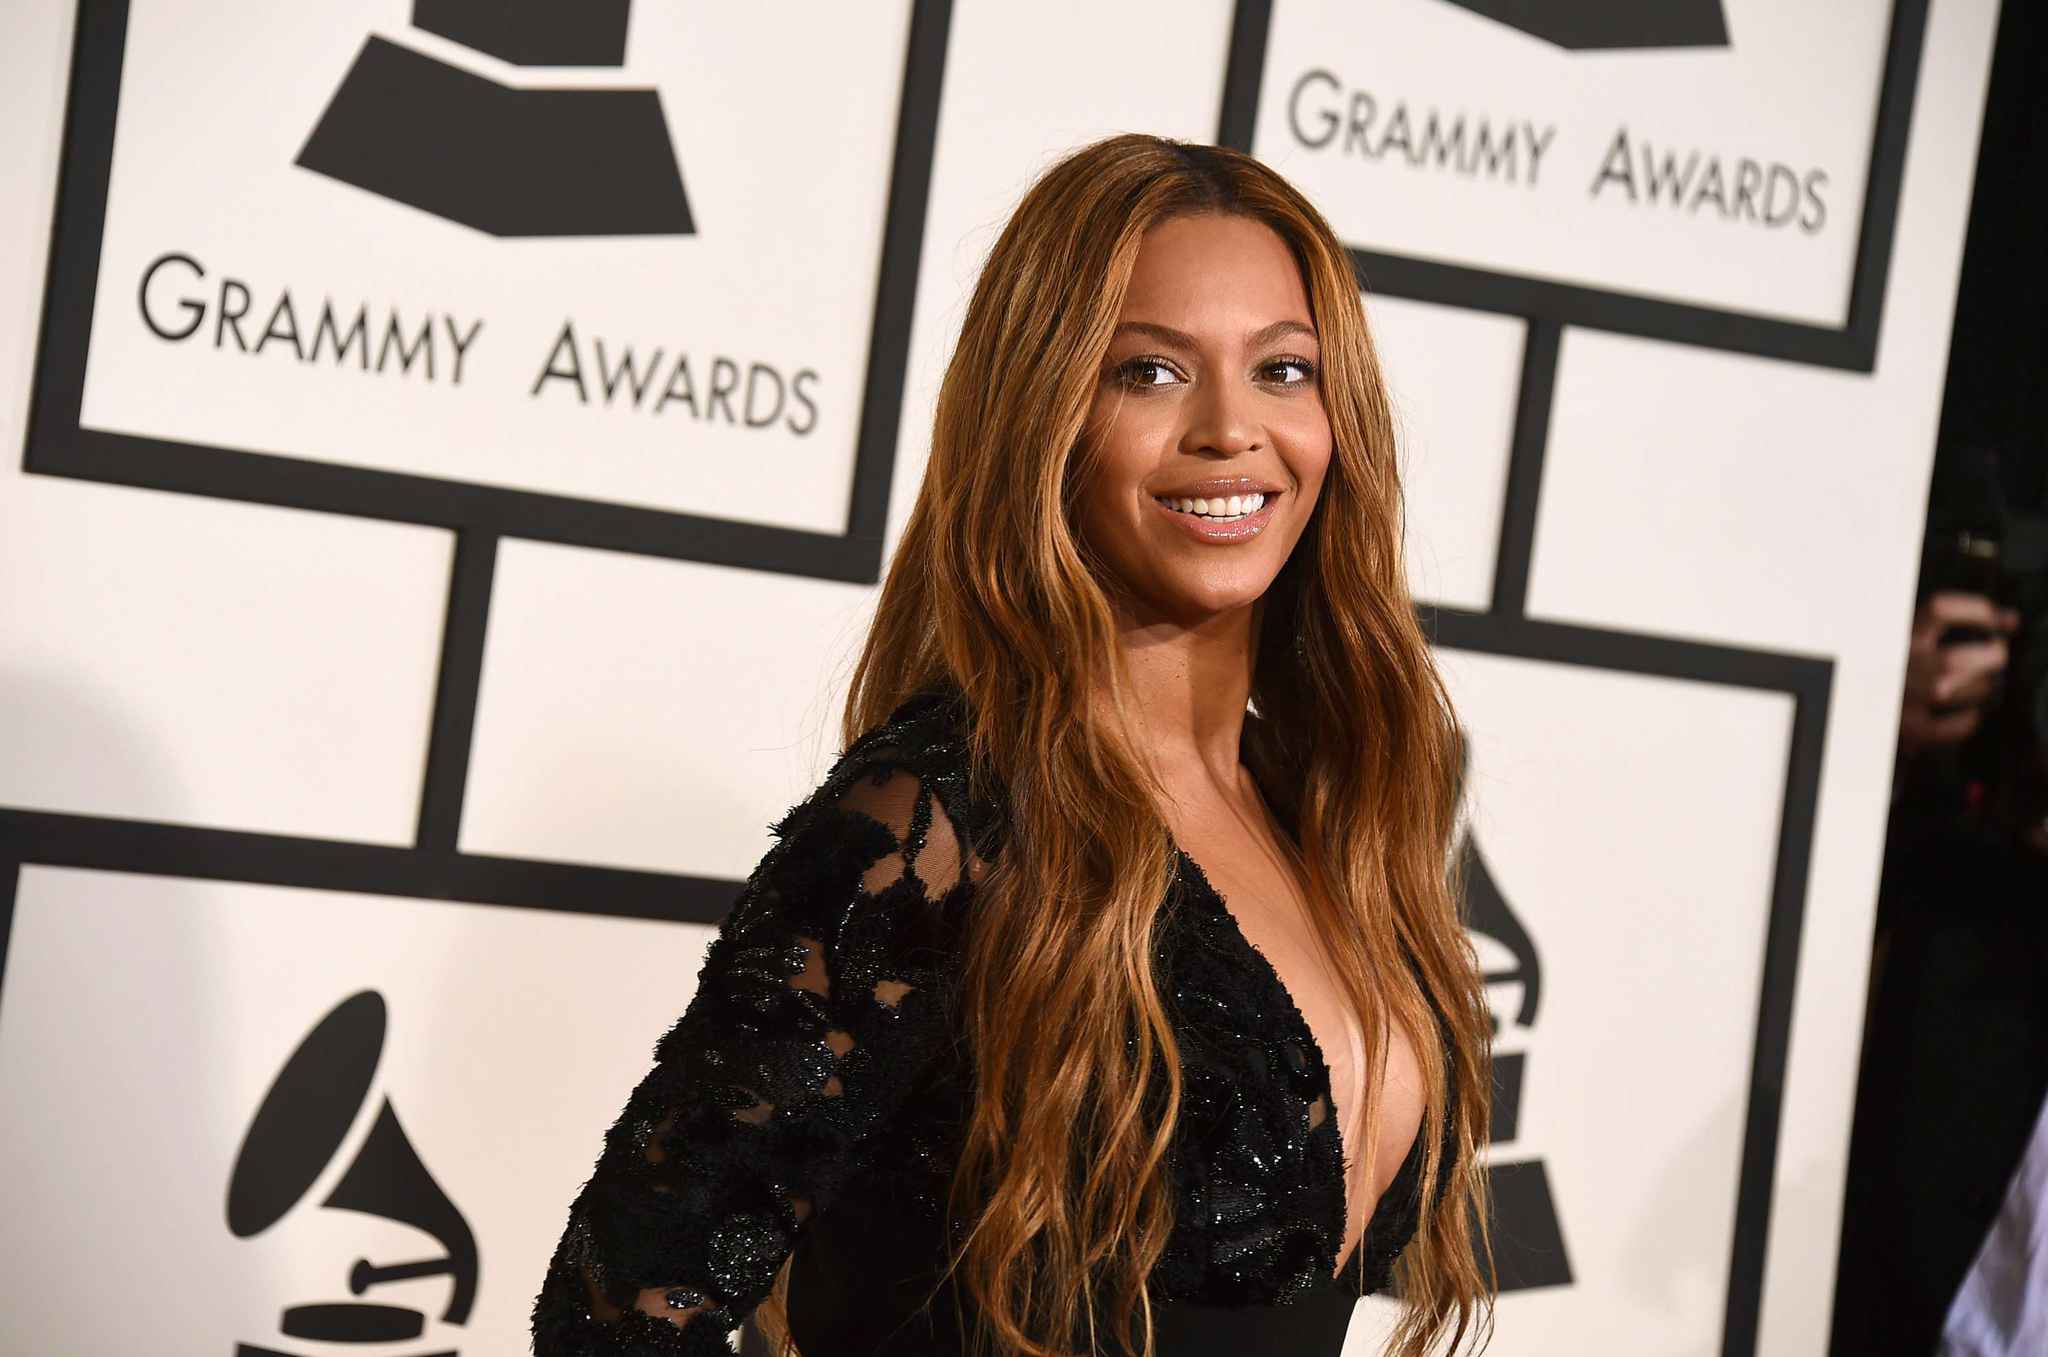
x: 457, y: 445
x: 391, y: 269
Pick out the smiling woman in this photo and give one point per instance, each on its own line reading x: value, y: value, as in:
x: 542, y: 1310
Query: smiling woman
x: 1201, y: 381
x: 1109, y: 995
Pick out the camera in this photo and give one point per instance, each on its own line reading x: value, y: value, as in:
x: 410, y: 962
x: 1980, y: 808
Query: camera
x: 1996, y: 781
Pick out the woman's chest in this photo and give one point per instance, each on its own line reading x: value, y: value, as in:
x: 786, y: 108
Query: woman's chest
x: 1258, y: 1171
x: 1273, y: 1106
x: 1264, y: 896
x: 1257, y: 1166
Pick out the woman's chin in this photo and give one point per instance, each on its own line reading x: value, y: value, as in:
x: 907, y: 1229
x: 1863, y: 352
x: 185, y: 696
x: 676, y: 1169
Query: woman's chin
x: 1198, y: 603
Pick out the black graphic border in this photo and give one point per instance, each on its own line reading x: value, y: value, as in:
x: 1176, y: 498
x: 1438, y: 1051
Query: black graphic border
x: 1852, y: 346
x: 59, y: 445
x: 434, y: 870
x: 1809, y: 682
x: 1504, y: 629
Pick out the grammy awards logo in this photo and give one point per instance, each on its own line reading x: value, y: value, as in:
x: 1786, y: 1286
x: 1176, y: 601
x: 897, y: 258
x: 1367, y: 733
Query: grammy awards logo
x: 1580, y: 25
x: 297, y: 1133
x: 1528, y: 1243
x: 506, y: 160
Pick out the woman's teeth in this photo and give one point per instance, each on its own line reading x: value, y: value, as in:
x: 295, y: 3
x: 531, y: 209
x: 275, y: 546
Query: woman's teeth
x: 1221, y: 510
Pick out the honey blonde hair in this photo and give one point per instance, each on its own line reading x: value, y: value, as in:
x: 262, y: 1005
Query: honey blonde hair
x: 991, y: 589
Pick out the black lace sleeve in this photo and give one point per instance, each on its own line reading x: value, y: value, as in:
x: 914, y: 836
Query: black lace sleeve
x: 819, y: 1003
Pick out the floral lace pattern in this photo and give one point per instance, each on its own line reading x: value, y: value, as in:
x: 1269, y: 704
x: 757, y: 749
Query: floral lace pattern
x: 815, y: 1065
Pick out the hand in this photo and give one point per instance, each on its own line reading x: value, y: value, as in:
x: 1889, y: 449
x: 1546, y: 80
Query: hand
x: 1947, y: 686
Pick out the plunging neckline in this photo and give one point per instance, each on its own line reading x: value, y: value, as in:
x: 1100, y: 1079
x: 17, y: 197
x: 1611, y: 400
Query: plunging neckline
x: 1315, y: 1050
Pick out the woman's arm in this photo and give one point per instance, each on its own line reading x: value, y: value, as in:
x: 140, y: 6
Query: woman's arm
x: 817, y: 1007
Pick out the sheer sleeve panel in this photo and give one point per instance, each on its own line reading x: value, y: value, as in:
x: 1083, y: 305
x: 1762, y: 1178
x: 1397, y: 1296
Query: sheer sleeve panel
x: 817, y: 1009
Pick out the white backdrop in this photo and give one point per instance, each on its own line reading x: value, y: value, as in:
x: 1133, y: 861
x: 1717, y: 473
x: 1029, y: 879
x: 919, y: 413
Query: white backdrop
x: 476, y: 690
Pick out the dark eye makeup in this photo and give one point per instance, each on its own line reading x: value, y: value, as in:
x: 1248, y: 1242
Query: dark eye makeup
x: 1133, y: 372
x: 1308, y: 369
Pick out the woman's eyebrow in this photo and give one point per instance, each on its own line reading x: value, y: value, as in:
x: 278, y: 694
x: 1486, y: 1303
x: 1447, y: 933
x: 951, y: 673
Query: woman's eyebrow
x: 1259, y: 338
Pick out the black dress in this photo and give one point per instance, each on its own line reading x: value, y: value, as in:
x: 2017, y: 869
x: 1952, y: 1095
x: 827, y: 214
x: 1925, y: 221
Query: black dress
x: 810, y: 1098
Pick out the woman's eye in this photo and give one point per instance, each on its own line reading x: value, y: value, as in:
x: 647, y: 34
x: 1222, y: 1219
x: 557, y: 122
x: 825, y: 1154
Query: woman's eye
x: 1145, y: 372
x: 1303, y: 370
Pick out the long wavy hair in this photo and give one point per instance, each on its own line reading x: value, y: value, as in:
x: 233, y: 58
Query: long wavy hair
x: 1352, y: 736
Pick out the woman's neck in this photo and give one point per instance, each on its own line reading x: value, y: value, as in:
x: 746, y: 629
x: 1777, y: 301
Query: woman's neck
x: 1187, y: 686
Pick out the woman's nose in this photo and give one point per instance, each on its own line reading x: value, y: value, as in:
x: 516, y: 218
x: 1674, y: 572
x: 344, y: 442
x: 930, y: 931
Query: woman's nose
x: 1221, y: 420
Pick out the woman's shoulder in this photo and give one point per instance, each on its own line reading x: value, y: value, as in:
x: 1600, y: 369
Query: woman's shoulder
x: 929, y: 725
x: 910, y: 773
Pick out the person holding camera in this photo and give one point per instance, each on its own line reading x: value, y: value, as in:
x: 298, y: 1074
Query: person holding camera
x: 1948, y: 685
x: 1948, y: 1162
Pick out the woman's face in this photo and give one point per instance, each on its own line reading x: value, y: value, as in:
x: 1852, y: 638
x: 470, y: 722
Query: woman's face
x: 1211, y: 390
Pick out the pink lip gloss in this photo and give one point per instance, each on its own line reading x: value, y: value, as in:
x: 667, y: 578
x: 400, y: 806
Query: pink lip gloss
x: 1237, y: 530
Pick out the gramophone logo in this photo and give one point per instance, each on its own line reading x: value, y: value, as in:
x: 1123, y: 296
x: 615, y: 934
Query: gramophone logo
x: 300, y: 1130
x: 1528, y: 1242
x: 1581, y: 25
x: 506, y: 160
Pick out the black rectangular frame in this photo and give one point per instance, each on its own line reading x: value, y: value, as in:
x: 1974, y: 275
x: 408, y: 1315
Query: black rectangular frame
x: 59, y: 445
x: 1852, y: 346
x: 434, y: 868
x: 1505, y: 629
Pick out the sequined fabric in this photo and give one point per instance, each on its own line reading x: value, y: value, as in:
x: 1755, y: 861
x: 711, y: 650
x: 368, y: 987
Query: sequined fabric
x: 814, y: 1076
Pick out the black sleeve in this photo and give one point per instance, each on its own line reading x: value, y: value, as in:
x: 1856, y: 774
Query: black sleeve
x: 818, y: 1005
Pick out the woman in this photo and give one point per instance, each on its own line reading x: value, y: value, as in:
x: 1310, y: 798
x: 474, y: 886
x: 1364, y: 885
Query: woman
x: 981, y: 1059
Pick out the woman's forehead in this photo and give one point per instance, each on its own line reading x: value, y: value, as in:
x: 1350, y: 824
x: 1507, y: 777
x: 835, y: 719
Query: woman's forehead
x: 1213, y: 272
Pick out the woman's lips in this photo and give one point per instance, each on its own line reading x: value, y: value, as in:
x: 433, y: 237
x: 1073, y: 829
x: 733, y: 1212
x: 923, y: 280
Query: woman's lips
x: 1207, y: 530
